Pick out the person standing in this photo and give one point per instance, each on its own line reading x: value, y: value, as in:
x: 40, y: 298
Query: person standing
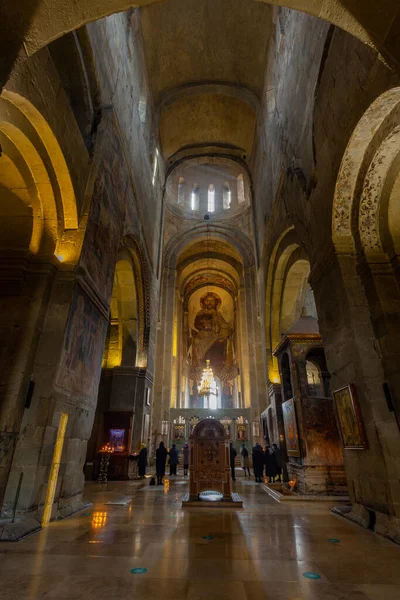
x: 232, y: 456
x: 161, y: 459
x: 173, y: 460
x: 244, y: 459
x: 271, y: 466
x: 279, y: 460
x: 186, y: 457
x: 142, y: 461
x: 258, y: 462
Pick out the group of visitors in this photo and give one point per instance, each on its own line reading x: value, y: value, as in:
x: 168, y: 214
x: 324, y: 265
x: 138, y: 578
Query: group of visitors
x: 161, y: 460
x: 271, y: 459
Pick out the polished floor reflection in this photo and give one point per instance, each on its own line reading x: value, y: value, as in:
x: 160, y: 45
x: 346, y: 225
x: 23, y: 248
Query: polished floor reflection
x: 260, y: 551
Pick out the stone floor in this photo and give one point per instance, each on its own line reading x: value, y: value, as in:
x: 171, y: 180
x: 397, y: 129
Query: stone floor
x: 260, y: 551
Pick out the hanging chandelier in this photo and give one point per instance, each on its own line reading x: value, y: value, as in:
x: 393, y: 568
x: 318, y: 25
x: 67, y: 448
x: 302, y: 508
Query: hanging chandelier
x: 208, y: 386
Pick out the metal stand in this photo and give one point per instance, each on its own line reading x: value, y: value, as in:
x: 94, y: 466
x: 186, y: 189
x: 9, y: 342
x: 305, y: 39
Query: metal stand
x: 105, y: 461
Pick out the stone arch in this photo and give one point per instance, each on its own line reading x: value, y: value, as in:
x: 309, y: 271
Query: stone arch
x: 37, y: 178
x: 297, y: 295
x: 129, y: 330
x: 366, y: 176
x: 286, y: 244
x: 287, y: 293
x: 366, y: 224
x: 359, y: 20
x: 141, y: 274
x: 229, y: 235
x: 122, y: 337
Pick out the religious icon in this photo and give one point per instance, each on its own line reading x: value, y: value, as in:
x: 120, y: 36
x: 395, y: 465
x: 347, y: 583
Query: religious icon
x: 178, y: 431
x: 349, y: 418
x: 192, y: 424
x: 117, y: 438
x: 212, y: 339
x: 241, y: 432
x: 227, y: 426
x: 290, y: 424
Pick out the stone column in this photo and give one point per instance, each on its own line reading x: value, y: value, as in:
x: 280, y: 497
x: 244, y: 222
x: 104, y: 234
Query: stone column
x: 383, y: 294
x: 256, y: 364
x: 34, y: 450
x: 185, y: 369
x: 25, y: 289
x: 353, y: 356
x: 163, y: 370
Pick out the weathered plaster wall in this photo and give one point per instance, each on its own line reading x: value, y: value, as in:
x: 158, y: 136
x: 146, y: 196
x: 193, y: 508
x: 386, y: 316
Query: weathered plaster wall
x: 284, y: 132
x: 123, y: 83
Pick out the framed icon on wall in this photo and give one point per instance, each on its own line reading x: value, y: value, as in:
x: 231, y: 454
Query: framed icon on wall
x: 178, y: 431
x: 117, y: 439
x: 241, y: 433
x: 290, y: 425
x: 349, y: 418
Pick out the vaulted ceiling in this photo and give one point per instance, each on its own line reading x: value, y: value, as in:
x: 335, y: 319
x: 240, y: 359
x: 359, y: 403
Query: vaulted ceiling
x: 206, y: 63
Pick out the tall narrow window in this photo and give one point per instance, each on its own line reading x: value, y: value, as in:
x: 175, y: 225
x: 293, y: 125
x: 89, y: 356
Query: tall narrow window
x: 181, y: 191
x: 194, y: 198
x: 142, y: 108
x: 155, y: 167
x: 240, y: 189
x: 211, y: 198
x: 226, y: 196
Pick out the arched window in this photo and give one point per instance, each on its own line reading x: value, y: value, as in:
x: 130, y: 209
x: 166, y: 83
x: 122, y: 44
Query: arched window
x: 226, y: 196
x: 181, y: 191
x: 240, y: 189
x: 211, y: 198
x: 314, y: 380
x: 194, y: 198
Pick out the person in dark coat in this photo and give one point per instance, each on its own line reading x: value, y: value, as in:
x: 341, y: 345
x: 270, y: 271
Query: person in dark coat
x: 279, y: 460
x: 244, y: 459
x: 142, y: 461
x: 232, y: 456
x: 186, y: 457
x: 271, y: 466
x: 173, y: 460
x: 258, y: 462
x: 161, y: 459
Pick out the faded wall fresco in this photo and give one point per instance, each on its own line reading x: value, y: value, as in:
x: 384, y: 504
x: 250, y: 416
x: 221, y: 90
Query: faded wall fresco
x: 82, y: 353
x: 321, y: 437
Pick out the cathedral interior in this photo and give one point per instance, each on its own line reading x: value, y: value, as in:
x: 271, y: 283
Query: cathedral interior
x: 199, y: 217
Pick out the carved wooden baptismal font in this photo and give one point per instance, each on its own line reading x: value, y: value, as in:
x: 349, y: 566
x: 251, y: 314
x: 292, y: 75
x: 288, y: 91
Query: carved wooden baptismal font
x: 210, y: 480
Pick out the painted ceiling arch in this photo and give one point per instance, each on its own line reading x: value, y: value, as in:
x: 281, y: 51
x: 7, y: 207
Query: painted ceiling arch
x: 204, y: 265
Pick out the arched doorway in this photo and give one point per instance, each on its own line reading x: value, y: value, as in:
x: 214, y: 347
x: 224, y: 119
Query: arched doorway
x: 124, y: 399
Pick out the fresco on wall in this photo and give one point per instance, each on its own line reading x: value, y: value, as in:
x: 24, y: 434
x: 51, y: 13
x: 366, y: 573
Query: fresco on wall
x: 320, y: 433
x: 349, y: 418
x: 80, y: 364
x: 212, y: 334
x: 104, y: 229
